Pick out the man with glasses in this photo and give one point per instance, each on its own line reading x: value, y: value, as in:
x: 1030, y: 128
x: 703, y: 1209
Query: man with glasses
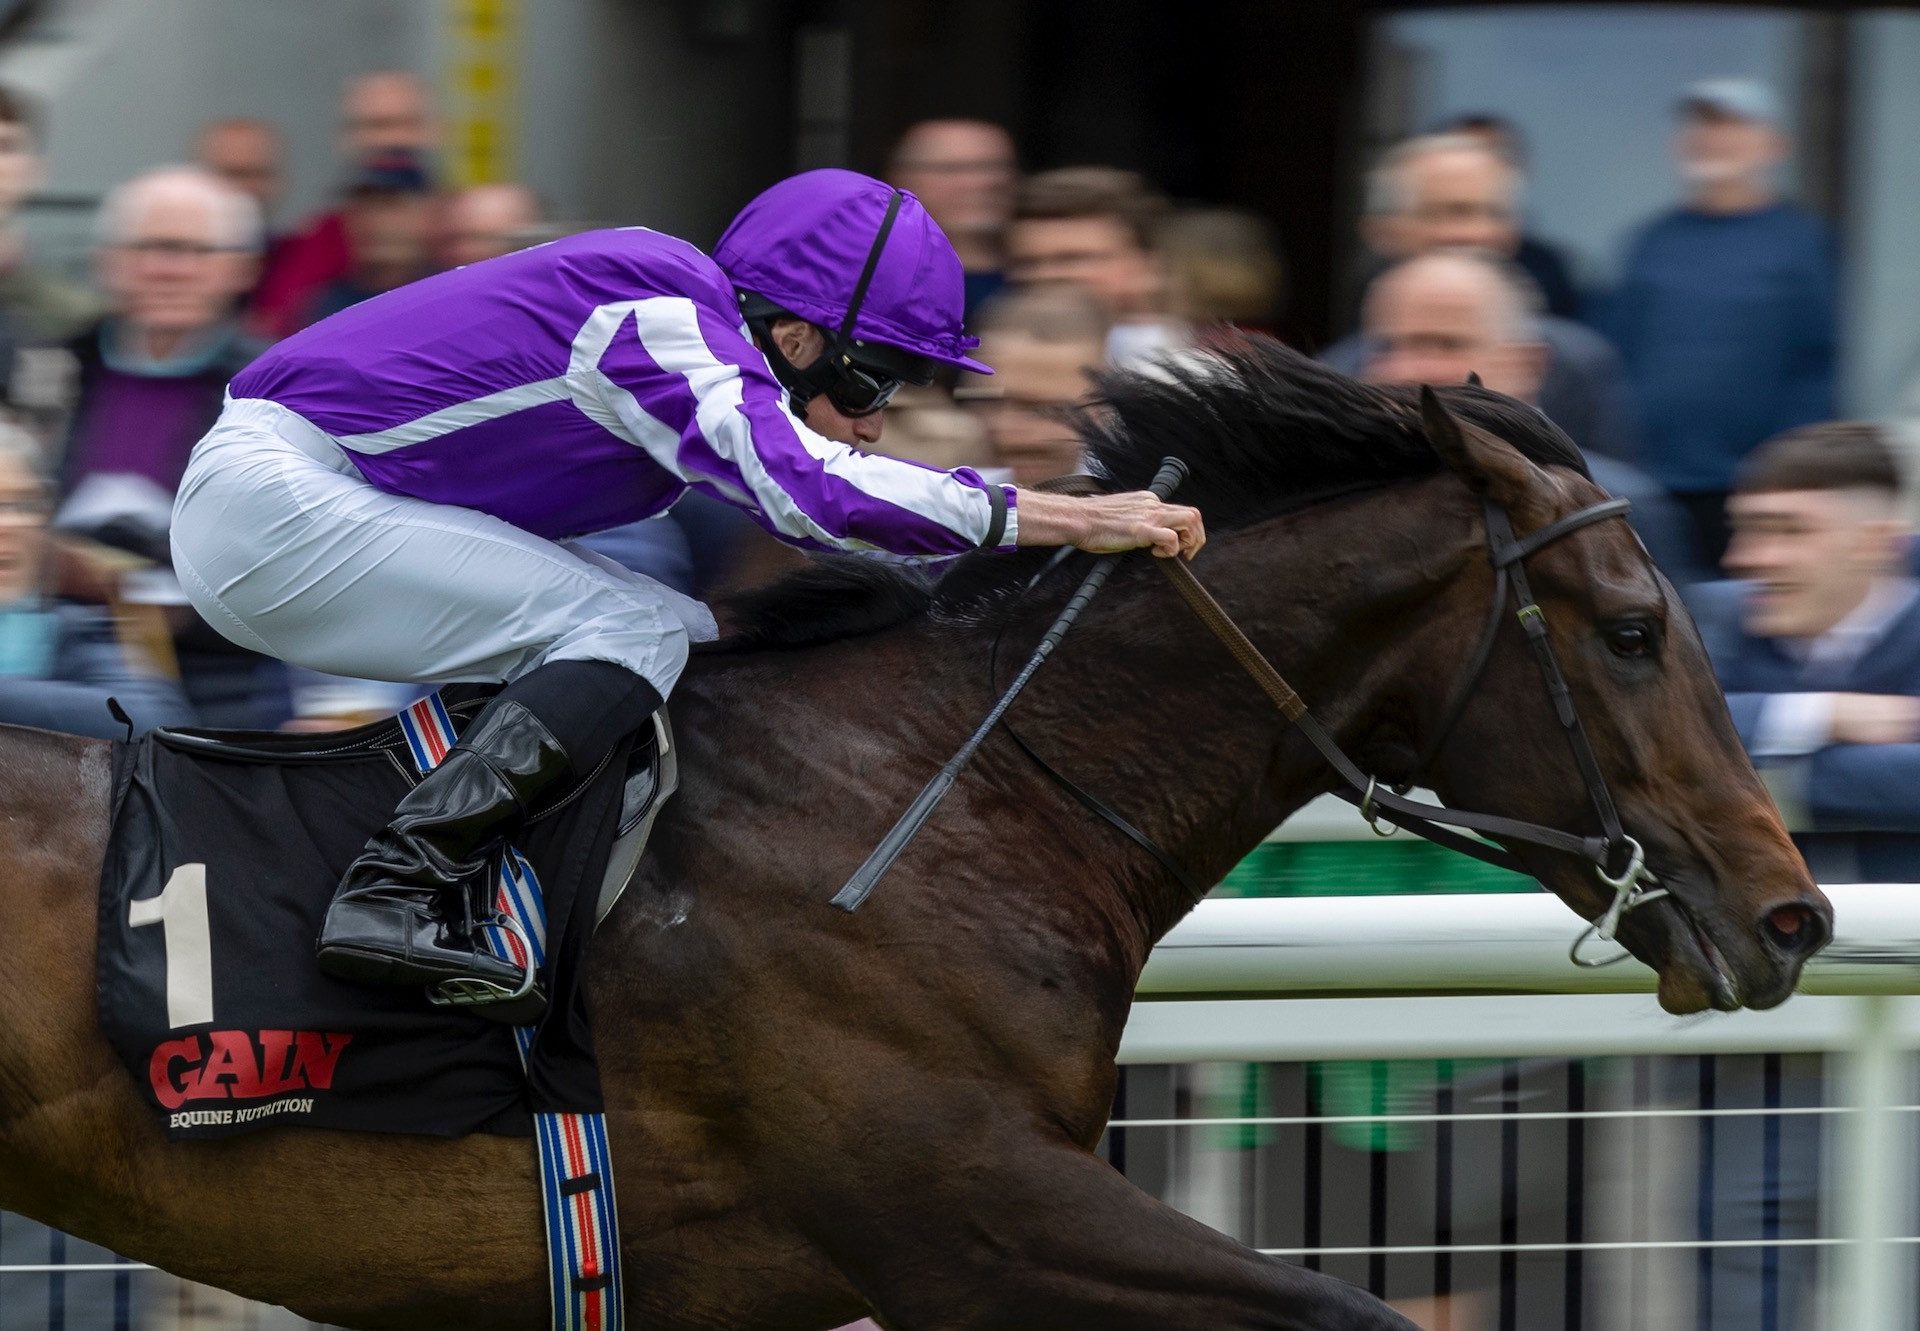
x: 175, y: 249
x: 390, y: 494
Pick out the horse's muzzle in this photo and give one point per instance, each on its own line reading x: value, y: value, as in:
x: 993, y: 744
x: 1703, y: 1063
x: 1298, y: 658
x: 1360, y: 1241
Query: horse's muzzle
x: 1711, y: 953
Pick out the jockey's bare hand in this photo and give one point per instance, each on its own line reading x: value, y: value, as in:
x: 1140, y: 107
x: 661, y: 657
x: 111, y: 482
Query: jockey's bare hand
x: 1108, y: 524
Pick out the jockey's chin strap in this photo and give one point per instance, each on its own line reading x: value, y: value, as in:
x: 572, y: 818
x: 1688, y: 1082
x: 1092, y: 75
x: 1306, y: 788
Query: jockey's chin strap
x: 1631, y: 883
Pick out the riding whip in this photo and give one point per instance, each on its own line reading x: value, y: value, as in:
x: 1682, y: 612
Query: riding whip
x: 867, y: 876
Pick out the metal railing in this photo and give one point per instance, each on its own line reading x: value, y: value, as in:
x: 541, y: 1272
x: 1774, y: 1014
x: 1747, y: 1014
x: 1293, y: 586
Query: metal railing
x: 1487, y: 978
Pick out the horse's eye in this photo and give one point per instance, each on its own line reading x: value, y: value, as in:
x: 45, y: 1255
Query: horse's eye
x: 1631, y: 641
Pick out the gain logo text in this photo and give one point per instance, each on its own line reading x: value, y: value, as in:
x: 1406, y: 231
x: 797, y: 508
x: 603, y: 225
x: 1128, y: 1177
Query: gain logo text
x: 243, y: 1065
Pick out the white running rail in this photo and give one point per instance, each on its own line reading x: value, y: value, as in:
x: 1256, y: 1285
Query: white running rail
x: 1487, y: 976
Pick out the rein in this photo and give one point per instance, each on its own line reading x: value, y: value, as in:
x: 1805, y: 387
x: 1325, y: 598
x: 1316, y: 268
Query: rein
x: 1631, y: 885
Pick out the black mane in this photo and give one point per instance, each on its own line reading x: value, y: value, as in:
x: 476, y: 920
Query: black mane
x: 1262, y: 429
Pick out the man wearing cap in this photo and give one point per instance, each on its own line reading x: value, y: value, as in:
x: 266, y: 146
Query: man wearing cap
x: 384, y: 111
x: 389, y: 215
x: 390, y: 495
x: 1726, y: 308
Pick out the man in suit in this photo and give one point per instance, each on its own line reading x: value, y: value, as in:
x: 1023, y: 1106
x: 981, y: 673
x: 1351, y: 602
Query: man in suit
x: 1818, y: 646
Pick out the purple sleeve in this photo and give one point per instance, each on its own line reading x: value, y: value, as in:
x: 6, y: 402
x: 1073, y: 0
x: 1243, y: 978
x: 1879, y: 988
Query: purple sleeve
x: 692, y: 390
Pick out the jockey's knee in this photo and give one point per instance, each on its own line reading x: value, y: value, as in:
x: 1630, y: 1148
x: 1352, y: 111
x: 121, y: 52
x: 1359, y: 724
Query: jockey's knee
x: 647, y: 640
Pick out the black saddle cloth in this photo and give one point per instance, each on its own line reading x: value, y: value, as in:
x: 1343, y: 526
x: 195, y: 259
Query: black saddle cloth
x: 219, y: 1010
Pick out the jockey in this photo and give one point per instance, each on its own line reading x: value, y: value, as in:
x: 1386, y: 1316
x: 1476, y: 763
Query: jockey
x: 390, y: 495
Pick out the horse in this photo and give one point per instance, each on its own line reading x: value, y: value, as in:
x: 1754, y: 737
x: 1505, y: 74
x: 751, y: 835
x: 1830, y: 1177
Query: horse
x: 818, y: 1115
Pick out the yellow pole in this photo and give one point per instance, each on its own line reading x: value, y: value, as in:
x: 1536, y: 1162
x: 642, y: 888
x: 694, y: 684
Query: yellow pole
x: 481, y: 84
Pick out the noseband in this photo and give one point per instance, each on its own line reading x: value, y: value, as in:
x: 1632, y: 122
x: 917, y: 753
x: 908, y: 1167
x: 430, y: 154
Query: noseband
x: 1631, y: 883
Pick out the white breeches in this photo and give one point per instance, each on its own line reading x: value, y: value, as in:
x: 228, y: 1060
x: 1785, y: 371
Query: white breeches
x: 286, y: 549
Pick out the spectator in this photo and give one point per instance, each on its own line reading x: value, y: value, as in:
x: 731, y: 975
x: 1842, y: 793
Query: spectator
x: 1726, y: 308
x: 389, y: 217
x: 176, y: 247
x: 1818, y: 646
x: 38, y: 307
x: 1436, y: 318
x: 390, y: 111
x: 1225, y: 269
x: 1544, y: 263
x: 1041, y: 343
x: 1098, y: 228
x: 38, y: 310
x: 248, y: 154
x: 59, y: 663
x: 486, y: 221
x: 965, y: 173
x: 1450, y: 192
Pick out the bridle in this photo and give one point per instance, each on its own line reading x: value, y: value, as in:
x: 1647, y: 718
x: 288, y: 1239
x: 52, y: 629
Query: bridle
x: 1632, y: 884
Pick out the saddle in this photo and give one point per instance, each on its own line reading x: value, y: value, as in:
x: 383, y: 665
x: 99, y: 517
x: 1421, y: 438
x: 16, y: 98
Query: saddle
x: 232, y: 843
x: 650, y: 776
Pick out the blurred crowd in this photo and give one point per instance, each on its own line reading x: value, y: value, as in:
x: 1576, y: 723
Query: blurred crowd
x: 1718, y: 336
x: 1701, y: 385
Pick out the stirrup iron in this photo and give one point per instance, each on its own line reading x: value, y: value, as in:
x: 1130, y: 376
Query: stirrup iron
x: 470, y: 991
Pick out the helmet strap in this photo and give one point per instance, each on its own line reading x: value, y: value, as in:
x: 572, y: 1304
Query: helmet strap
x: 866, y: 272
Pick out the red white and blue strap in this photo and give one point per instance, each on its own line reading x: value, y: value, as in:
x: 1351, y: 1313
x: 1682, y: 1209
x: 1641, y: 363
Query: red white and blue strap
x: 576, y: 1165
x: 583, y: 1242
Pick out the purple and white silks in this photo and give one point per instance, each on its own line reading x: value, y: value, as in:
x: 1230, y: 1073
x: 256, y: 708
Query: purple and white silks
x: 588, y: 383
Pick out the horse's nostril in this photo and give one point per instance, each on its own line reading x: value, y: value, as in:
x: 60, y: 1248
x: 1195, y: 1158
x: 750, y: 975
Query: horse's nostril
x: 1796, y: 929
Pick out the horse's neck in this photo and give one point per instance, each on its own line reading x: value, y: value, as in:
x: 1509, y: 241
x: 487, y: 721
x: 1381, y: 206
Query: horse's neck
x: 1139, y: 706
x: 1165, y: 726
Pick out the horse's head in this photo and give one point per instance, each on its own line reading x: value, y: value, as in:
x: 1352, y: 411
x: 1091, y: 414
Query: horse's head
x: 1743, y: 915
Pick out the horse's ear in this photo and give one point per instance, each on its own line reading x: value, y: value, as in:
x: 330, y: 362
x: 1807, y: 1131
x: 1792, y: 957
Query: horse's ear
x: 1473, y: 379
x: 1488, y: 464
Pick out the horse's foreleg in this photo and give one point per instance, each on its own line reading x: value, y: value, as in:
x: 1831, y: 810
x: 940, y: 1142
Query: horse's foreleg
x: 1053, y: 1237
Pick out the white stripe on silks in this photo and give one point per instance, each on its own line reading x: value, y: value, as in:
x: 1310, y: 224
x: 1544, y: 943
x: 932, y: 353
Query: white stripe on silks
x: 459, y: 416
x: 628, y: 419
x: 615, y: 409
x: 669, y: 329
x: 605, y: 402
x: 581, y: 1222
x: 595, y: 338
x: 932, y: 494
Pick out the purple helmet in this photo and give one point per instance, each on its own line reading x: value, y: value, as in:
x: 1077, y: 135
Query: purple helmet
x: 805, y: 245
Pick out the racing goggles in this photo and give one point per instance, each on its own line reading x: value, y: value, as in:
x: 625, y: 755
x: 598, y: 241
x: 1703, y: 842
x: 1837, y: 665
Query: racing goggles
x: 862, y: 378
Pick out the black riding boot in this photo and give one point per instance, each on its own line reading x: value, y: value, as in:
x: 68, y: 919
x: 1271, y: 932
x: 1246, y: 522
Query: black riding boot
x: 400, y: 915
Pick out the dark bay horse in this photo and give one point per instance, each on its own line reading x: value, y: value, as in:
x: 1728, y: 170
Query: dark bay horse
x: 816, y: 1115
